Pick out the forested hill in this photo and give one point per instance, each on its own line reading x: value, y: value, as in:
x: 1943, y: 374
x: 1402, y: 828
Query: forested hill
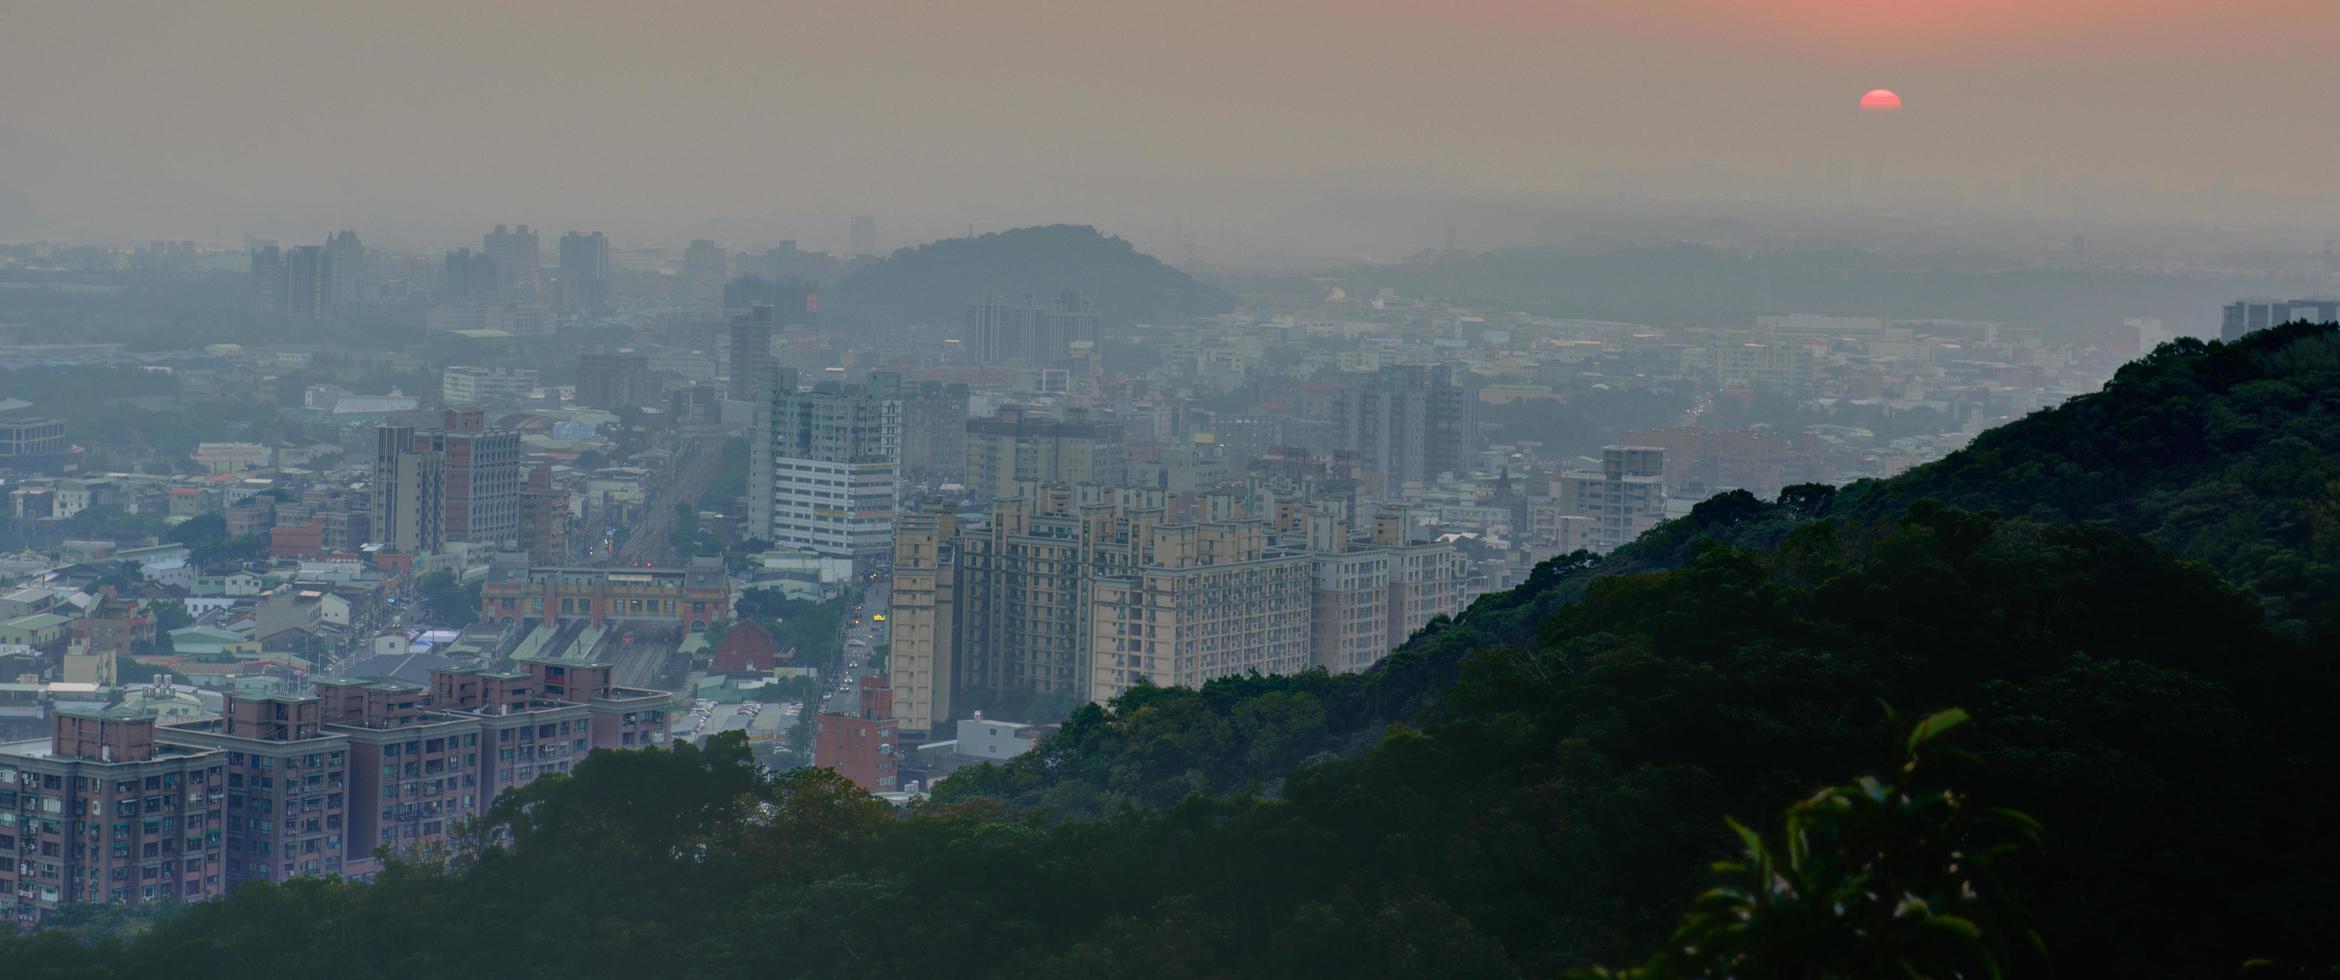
x: 933, y: 283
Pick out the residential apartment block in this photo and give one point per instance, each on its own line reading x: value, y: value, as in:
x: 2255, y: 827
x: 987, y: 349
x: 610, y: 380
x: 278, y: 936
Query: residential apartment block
x: 103, y: 811
x: 1015, y: 445
x: 823, y: 471
x: 458, y: 482
x: 1600, y: 510
x: 1085, y: 591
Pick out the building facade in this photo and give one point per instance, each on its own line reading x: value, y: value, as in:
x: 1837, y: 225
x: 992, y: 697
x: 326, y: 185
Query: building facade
x: 2253, y: 315
x: 1407, y: 424
x: 584, y: 271
x: 864, y: 746
x: 827, y: 474
x: 102, y: 811
x: 695, y: 596
x: 1029, y: 335
x: 921, y: 635
x: 465, y: 384
x: 1015, y: 446
x: 1600, y: 510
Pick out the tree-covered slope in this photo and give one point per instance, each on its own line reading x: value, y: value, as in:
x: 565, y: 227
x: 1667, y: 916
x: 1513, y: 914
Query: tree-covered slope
x: 933, y: 283
x: 2227, y: 454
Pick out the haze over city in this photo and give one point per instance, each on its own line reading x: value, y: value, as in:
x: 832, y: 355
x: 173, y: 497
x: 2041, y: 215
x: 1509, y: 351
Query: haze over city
x: 1257, y: 129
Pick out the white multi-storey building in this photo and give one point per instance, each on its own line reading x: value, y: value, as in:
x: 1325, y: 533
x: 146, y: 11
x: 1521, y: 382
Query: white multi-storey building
x: 825, y: 476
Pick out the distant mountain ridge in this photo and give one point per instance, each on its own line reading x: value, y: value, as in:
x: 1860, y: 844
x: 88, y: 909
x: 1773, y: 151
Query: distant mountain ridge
x: 1691, y: 283
x: 933, y: 283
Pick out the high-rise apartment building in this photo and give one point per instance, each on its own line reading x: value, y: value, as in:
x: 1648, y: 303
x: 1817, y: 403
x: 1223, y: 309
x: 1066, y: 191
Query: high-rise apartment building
x: 103, y: 812
x: 405, y: 506
x: 747, y: 354
x: 264, y: 290
x: 517, y: 259
x: 424, y: 759
x: 1080, y: 592
x: 544, y: 519
x: 584, y: 272
x: 1029, y: 335
x: 828, y: 479
x: 458, y: 482
x: 1203, y: 601
x: 1371, y: 594
x: 1600, y: 510
x: 2253, y: 315
x: 934, y: 433
x: 481, y: 470
x: 468, y: 277
x: 308, y: 271
x: 706, y: 266
x: 288, y: 784
x: 1407, y: 424
x: 614, y: 381
x: 345, y: 269
x: 922, y: 631
x: 1015, y: 446
x: 114, y: 808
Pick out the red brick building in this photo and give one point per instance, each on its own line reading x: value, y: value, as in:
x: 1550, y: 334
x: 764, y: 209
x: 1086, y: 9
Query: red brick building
x: 864, y: 746
x: 748, y: 648
x: 297, y: 541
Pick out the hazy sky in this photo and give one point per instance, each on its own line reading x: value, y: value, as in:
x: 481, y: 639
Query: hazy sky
x: 416, y: 119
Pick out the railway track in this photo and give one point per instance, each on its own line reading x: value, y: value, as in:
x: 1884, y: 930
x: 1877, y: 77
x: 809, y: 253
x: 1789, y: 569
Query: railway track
x: 695, y: 468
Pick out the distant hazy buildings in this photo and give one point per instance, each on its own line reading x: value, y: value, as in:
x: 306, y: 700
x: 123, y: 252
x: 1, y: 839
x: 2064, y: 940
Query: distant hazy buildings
x: 307, y: 283
x: 517, y: 259
x: 1407, y: 424
x: 614, y: 381
x: 864, y: 240
x: 584, y: 272
x: 934, y: 433
x: 468, y: 277
x: 705, y: 268
x: 748, y: 354
x: 2251, y: 315
x: 465, y: 384
x: 1015, y: 447
x: 1029, y: 335
x: 345, y: 269
x: 1601, y: 510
